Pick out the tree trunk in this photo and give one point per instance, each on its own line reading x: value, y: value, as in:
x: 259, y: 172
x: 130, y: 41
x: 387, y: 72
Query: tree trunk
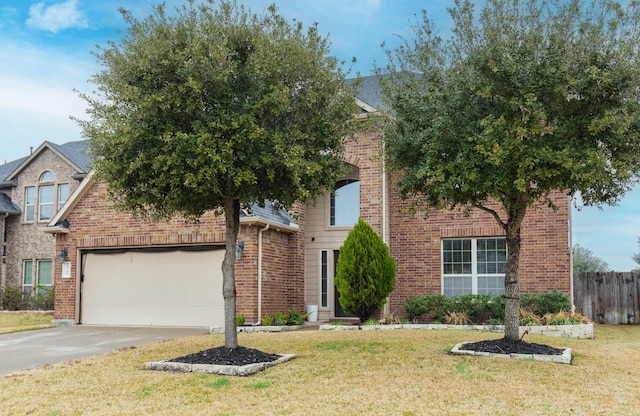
x: 511, y: 278
x: 512, y: 285
x: 232, y: 217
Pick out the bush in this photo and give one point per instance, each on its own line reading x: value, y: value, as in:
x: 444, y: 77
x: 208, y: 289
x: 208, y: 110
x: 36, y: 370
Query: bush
x: 497, y: 306
x: 456, y: 318
x: 437, y: 307
x: 476, y: 307
x: 485, y: 308
x: 295, y: 318
x: 45, y: 298
x: 433, y: 307
x: 284, y: 318
x: 415, y: 306
x: 565, y: 318
x: 528, y: 318
x: 545, y: 303
x: 552, y: 302
x: 366, y: 273
x: 11, y: 298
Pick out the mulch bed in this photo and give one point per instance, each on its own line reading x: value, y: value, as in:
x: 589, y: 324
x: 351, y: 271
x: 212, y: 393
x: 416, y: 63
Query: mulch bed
x: 224, y: 356
x: 504, y: 346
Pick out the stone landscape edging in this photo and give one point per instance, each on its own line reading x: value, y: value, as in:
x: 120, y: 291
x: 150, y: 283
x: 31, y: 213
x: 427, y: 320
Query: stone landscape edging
x: 564, y: 358
x: 225, y: 370
x: 256, y: 329
x: 580, y: 331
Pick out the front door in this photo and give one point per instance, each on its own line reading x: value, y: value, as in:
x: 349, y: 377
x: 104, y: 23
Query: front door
x: 339, y: 312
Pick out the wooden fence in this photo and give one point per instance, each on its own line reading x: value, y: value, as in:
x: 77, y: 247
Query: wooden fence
x: 608, y: 298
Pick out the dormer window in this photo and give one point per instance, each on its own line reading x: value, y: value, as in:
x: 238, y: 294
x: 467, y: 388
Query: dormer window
x: 345, y: 203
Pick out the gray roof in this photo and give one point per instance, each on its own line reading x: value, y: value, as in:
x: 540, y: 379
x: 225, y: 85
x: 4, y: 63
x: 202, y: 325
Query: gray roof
x: 369, y: 91
x: 77, y: 153
x: 7, y: 169
x: 74, y: 152
x: 269, y: 212
x: 8, y: 207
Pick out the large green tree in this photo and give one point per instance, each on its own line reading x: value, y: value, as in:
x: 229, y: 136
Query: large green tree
x: 525, y: 98
x: 210, y: 108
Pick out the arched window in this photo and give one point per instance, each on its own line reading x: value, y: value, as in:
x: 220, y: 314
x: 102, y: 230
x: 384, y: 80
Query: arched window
x: 47, y: 177
x: 345, y: 203
x: 46, y: 197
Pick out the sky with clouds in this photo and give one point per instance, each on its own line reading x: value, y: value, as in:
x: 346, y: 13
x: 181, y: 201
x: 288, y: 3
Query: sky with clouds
x: 45, y: 54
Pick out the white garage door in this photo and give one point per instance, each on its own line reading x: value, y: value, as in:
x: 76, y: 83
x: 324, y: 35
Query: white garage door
x: 143, y: 288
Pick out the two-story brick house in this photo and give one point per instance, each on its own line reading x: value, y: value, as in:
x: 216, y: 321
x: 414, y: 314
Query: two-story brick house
x: 32, y: 190
x: 125, y: 271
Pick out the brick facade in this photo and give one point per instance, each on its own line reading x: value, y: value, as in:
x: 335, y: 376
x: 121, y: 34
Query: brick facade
x: 94, y: 224
x: 416, y: 246
x: 25, y: 240
x: 415, y: 241
x: 288, y: 276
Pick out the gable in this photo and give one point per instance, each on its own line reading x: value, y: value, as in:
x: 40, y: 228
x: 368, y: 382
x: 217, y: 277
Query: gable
x: 72, y: 153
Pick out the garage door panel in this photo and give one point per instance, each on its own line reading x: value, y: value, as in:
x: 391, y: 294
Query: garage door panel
x: 171, y: 288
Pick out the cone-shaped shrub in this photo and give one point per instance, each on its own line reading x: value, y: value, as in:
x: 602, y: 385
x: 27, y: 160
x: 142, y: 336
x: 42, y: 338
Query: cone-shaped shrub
x: 366, y: 273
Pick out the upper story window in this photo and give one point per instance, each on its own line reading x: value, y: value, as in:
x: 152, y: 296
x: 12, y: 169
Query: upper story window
x: 345, y: 203
x: 29, y: 203
x: 43, y: 201
x: 47, y: 177
x: 46, y: 203
x: 473, y: 266
x: 63, y: 194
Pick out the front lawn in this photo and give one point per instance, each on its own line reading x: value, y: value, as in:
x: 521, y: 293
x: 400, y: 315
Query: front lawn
x: 24, y: 321
x: 402, y: 372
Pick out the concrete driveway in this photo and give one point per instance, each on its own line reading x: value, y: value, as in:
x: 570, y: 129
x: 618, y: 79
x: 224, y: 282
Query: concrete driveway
x: 23, y: 350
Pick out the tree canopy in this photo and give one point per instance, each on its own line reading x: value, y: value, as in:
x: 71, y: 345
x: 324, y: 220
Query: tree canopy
x: 213, y: 107
x: 525, y: 98
x: 636, y: 256
x: 585, y: 261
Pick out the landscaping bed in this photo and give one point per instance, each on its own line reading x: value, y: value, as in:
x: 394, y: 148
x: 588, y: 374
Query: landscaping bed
x: 578, y: 331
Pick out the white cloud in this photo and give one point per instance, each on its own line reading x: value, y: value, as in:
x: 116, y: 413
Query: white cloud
x: 56, y: 17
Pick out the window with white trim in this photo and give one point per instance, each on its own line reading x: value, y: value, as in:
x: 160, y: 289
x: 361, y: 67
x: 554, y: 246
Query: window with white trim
x: 345, y: 203
x: 47, y: 177
x: 63, y: 194
x: 29, y: 203
x: 27, y: 277
x: 45, y: 274
x: 38, y: 282
x: 46, y: 204
x: 473, y: 266
x: 324, y: 279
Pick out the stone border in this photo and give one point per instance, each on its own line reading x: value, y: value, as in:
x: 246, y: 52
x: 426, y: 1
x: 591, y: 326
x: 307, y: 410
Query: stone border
x: 257, y: 328
x: 226, y: 370
x: 564, y: 331
x: 565, y: 358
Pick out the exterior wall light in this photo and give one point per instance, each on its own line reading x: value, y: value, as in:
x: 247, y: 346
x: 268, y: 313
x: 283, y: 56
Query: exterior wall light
x: 239, y: 250
x: 62, y: 256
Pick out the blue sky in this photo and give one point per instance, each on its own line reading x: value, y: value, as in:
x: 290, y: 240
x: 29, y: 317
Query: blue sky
x: 45, y: 54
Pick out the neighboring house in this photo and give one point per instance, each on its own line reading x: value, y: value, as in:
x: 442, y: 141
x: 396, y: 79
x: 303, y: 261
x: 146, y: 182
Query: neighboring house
x: 32, y: 190
x: 119, y: 270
